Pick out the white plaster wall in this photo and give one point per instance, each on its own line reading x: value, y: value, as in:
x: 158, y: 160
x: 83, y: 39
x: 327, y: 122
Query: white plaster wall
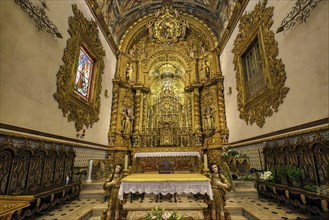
x: 304, y: 52
x: 30, y: 61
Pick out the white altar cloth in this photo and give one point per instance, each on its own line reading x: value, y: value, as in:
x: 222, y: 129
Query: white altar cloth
x: 167, y: 154
x: 165, y: 183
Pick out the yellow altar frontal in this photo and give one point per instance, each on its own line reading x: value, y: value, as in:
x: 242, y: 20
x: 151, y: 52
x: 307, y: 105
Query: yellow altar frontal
x: 166, y: 183
x: 151, y: 177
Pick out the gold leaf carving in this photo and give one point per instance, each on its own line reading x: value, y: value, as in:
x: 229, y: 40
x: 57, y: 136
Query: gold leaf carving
x: 256, y: 25
x: 83, y: 33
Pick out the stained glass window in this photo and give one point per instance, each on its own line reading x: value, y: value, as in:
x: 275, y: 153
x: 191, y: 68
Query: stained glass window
x: 84, y: 74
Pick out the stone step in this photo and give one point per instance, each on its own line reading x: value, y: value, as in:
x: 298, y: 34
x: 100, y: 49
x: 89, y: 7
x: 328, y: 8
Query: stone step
x: 234, y: 217
x: 94, y: 218
x: 93, y: 185
x: 244, y: 194
x: 244, y: 184
x: 236, y: 211
x: 92, y: 194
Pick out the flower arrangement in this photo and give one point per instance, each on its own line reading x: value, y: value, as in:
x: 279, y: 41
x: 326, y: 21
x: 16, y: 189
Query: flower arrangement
x: 246, y: 178
x: 228, y: 152
x: 158, y: 213
x: 268, y: 176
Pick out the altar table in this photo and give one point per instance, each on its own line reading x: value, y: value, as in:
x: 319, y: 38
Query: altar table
x: 166, y: 183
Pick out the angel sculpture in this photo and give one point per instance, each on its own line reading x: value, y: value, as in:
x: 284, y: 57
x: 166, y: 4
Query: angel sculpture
x: 220, y: 185
x: 111, y: 187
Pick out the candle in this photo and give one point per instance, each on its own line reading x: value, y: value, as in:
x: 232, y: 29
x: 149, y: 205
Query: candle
x: 205, y: 161
x: 126, y: 162
x: 90, y: 167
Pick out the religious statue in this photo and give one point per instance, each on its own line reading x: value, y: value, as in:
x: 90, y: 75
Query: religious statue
x: 111, y: 187
x: 205, y: 68
x: 185, y: 25
x: 192, y: 51
x: 126, y: 121
x: 132, y: 51
x: 219, y: 186
x: 209, y: 120
x: 166, y: 86
x: 129, y: 71
x: 150, y: 29
x: 202, y: 49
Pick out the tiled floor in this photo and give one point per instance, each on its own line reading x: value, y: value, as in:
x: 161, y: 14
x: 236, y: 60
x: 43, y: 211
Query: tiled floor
x: 73, y: 210
x: 261, y: 209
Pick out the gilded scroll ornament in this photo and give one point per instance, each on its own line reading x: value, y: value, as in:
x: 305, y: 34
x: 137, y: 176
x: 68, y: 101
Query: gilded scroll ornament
x: 84, y: 33
x: 255, y: 27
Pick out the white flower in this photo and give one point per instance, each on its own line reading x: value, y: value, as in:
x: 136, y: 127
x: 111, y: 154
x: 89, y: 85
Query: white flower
x: 268, y: 175
x: 166, y: 215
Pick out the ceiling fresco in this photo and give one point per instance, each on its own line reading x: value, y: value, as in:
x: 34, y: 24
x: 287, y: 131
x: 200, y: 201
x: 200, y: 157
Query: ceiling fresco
x: 119, y: 15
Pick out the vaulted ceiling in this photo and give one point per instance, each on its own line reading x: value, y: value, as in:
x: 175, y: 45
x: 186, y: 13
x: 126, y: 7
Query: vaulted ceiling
x: 119, y: 15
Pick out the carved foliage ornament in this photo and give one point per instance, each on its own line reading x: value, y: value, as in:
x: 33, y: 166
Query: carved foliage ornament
x: 255, y: 26
x: 84, y: 34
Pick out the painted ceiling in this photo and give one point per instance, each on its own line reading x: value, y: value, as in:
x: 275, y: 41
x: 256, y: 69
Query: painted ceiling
x: 119, y: 15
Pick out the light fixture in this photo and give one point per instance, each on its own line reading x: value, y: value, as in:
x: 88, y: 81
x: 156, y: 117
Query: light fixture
x: 299, y: 13
x: 39, y: 16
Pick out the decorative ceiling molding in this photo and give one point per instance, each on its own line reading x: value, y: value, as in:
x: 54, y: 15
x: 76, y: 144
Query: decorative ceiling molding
x: 255, y: 26
x: 85, y: 34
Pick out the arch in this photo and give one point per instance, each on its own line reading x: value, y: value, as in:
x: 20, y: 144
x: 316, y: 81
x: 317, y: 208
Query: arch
x: 138, y: 29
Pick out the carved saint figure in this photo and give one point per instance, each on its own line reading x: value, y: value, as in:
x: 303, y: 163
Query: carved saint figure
x: 166, y: 86
x: 185, y: 25
x: 111, y: 187
x: 126, y: 121
x: 132, y: 51
x: 209, y: 120
x: 150, y: 29
x: 202, y: 49
x: 205, y: 68
x: 129, y: 71
x: 219, y: 186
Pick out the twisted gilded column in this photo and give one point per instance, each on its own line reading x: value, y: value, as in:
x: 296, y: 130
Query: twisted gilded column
x: 221, y: 107
x: 196, y: 116
x: 114, y: 113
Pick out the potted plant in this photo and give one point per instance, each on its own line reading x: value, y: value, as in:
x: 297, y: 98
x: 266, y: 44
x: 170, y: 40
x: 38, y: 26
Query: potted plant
x: 281, y: 172
x: 294, y: 173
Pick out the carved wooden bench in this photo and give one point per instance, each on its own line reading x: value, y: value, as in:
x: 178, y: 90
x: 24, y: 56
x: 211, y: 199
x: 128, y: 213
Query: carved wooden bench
x: 40, y: 169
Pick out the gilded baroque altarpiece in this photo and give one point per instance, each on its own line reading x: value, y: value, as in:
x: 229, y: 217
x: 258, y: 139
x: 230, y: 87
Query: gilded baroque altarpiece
x: 168, y: 88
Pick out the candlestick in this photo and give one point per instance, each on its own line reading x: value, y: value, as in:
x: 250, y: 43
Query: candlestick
x: 90, y: 167
x: 126, y: 162
x: 205, y: 161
